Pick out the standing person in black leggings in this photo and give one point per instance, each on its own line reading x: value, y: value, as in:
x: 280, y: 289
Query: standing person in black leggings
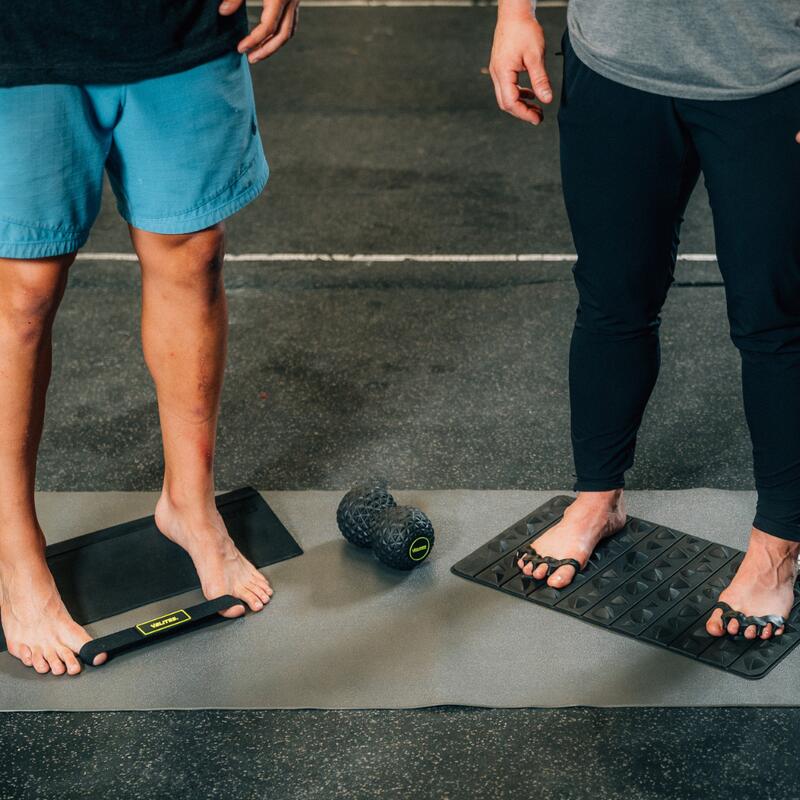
x: 653, y: 95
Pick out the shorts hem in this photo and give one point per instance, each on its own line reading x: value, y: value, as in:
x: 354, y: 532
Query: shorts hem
x: 193, y: 221
x: 42, y: 249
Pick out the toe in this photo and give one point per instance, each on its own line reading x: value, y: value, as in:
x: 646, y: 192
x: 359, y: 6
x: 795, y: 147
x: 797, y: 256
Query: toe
x: 251, y: 598
x: 714, y: 624
x: 25, y: 655
x: 70, y: 661
x: 540, y: 573
x: 76, y: 639
x: 238, y: 610
x: 261, y: 584
x: 750, y: 632
x: 733, y: 627
x: 561, y: 577
x: 779, y: 632
x: 39, y: 661
x: 260, y: 592
x: 527, y: 568
x: 54, y: 662
x: 767, y: 632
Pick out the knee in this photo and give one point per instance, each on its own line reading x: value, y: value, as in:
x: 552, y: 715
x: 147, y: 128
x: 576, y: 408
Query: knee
x: 205, y: 253
x: 188, y: 261
x: 620, y: 321
x: 622, y: 304
x: 780, y: 338
x: 30, y: 292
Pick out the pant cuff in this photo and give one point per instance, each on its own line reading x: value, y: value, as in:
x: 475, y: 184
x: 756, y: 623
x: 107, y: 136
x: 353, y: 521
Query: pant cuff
x: 582, y: 485
x: 783, y: 530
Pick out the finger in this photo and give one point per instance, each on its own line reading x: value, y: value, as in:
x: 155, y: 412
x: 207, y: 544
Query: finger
x: 270, y: 19
x: 540, y: 83
x: 512, y: 103
x: 274, y: 43
x: 496, y: 86
x: 228, y: 7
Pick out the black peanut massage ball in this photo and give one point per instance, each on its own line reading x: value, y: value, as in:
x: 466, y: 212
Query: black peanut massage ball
x: 400, y: 536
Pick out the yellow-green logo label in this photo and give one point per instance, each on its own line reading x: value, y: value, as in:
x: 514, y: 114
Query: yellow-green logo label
x: 163, y: 622
x: 419, y: 548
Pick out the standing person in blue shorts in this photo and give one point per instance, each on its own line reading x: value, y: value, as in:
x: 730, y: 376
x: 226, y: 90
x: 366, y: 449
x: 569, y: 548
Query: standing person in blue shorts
x: 655, y: 94
x: 158, y: 95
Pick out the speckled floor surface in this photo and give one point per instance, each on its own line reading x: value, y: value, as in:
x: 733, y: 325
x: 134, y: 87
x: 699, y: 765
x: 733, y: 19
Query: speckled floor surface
x: 432, y: 754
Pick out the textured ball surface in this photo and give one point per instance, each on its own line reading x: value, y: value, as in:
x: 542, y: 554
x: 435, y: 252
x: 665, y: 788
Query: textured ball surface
x: 403, y: 537
x: 358, y: 510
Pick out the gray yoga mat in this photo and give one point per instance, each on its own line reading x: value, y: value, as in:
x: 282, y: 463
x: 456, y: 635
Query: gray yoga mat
x: 345, y: 632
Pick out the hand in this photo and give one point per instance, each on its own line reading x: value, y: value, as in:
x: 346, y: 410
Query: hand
x: 278, y: 24
x: 519, y: 46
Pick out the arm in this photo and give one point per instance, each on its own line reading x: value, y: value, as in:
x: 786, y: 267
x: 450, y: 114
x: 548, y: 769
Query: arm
x: 278, y: 24
x: 519, y: 46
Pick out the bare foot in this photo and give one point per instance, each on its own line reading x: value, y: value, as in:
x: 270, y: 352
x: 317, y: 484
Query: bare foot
x: 38, y: 628
x: 222, y: 569
x: 593, y: 517
x: 763, y: 585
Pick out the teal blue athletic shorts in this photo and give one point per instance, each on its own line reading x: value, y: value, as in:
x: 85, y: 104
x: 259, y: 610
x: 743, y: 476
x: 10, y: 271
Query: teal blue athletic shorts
x: 182, y: 152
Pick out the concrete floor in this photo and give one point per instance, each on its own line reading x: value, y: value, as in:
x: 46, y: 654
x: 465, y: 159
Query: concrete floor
x: 436, y: 375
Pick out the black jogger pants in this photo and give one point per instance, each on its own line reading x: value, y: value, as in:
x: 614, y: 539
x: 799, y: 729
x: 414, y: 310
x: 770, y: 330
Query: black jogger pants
x: 630, y: 160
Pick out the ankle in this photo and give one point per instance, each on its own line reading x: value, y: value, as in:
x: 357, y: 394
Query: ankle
x: 762, y: 542
x: 25, y: 555
x: 184, y: 500
x: 605, y: 501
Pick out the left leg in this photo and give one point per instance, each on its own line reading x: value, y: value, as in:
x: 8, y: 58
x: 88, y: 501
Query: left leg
x: 184, y: 337
x: 751, y: 162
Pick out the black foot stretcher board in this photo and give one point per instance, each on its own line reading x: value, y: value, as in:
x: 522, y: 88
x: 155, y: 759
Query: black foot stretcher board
x: 648, y: 582
x: 118, y: 569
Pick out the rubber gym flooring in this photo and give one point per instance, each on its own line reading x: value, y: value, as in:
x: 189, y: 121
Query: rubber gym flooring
x: 383, y: 138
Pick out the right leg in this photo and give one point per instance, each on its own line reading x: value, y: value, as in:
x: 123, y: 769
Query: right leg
x: 49, y: 196
x: 37, y: 626
x: 628, y: 169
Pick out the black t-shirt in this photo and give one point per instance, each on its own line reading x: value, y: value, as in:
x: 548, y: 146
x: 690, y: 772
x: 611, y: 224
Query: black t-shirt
x: 110, y: 41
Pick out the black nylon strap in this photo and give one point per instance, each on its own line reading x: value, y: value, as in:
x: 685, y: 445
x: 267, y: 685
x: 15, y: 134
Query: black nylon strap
x: 531, y: 556
x: 146, y: 633
x: 761, y: 623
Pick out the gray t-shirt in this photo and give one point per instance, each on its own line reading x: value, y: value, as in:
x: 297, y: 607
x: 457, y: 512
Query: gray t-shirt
x: 697, y: 49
